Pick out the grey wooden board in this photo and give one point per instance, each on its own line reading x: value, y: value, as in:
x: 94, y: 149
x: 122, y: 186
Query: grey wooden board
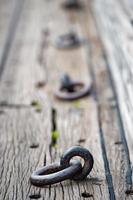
x: 10, y: 13
x: 119, y: 56
x: 93, y: 122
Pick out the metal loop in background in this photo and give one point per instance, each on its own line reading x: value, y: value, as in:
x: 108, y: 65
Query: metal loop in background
x: 67, y: 41
x: 63, y: 94
x: 54, y: 173
x: 71, y: 4
x: 83, y: 153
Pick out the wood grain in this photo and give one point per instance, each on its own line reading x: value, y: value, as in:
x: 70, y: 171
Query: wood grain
x: 120, y: 64
x: 94, y: 122
x: 10, y: 15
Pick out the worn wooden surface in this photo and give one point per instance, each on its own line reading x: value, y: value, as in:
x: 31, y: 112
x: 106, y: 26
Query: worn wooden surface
x: 101, y: 122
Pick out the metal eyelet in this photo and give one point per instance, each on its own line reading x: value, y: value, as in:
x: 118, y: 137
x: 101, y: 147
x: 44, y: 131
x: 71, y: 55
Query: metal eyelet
x: 71, y: 4
x: 72, y: 90
x: 68, y: 41
x: 54, y: 173
x: 67, y: 169
x: 83, y: 153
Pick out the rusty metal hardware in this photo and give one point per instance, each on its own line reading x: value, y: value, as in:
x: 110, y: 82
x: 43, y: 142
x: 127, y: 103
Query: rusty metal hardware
x: 67, y: 83
x: 67, y: 41
x: 67, y: 169
x: 71, y: 90
x: 71, y: 4
x: 83, y: 153
x: 54, y: 173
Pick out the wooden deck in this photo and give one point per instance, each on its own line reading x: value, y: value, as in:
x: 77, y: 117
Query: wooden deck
x: 101, y: 122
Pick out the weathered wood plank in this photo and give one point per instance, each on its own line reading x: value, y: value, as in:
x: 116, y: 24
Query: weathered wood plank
x: 127, y: 7
x: 17, y: 90
x: 88, y: 122
x: 5, y: 15
x: 26, y: 68
x: 115, y: 31
x: 10, y: 12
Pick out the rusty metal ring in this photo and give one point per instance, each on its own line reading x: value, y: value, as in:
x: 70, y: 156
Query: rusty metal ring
x: 54, y: 173
x: 83, y: 153
x: 63, y: 94
x: 67, y: 41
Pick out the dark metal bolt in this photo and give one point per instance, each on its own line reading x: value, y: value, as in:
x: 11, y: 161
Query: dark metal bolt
x: 67, y: 83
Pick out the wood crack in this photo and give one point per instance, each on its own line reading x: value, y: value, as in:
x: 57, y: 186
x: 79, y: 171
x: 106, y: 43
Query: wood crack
x: 122, y: 131
x: 105, y: 159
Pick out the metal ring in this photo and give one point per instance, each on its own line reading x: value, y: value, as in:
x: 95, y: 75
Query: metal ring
x: 71, y: 4
x: 69, y: 96
x: 83, y: 153
x: 54, y: 173
x: 67, y: 41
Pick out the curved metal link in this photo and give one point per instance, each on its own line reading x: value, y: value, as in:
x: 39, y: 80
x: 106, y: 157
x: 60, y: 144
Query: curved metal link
x: 54, y: 173
x: 64, y: 94
x: 83, y: 153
